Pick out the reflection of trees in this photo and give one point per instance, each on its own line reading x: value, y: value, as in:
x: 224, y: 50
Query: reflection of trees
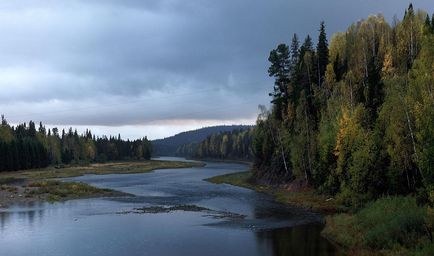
x: 4, y: 218
x: 299, y: 240
x: 29, y: 215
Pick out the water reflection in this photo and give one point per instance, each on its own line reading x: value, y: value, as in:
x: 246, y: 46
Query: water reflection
x: 294, y: 241
x: 25, y: 213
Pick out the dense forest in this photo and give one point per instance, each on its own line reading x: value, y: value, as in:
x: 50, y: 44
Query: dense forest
x: 25, y: 147
x: 235, y: 145
x: 353, y: 117
x: 169, y: 146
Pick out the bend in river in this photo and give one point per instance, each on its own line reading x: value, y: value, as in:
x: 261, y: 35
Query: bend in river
x: 173, y: 212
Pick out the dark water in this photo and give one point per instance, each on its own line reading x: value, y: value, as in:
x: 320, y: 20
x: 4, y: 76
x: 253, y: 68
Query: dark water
x: 96, y: 227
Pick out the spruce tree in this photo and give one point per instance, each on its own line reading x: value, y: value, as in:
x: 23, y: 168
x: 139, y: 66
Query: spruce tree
x: 432, y: 24
x: 295, y: 57
x: 323, y: 53
x: 428, y: 22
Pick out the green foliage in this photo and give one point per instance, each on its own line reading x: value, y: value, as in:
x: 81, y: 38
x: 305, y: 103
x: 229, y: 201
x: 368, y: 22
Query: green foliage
x: 425, y: 249
x: 420, y: 99
x: 390, y: 221
x: 271, y: 150
x: 392, y: 224
x: 357, y: 119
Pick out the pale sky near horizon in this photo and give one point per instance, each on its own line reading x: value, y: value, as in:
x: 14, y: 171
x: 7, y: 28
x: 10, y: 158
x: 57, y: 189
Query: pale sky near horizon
x: 156, y: 67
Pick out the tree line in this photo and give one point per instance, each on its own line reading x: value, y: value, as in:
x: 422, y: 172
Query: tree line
x: 353, y: 118
x: 235, y: 145
x: 25, y: 147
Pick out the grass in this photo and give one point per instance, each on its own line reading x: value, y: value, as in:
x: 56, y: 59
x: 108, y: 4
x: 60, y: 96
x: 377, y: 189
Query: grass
x: 305, y: 199
x: 54, y: 190
x: 106, y: 168
x: 240, y: 179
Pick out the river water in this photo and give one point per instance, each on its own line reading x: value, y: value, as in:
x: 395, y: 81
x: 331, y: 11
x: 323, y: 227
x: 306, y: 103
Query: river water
x: 237, y: 221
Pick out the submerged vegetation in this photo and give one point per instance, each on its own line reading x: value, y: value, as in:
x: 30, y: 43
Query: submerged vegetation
x: 185, y: 208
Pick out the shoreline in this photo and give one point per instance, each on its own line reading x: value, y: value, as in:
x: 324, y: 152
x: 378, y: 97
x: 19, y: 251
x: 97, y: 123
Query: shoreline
x: 340, y: 227
x: 216, y: 160
x: 305, y: 198
x: 45, y: 185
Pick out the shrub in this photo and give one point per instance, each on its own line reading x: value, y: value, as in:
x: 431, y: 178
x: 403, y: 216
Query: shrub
x: 392, y: 221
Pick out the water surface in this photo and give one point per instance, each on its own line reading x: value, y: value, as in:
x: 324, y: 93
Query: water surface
x: 98, y: 227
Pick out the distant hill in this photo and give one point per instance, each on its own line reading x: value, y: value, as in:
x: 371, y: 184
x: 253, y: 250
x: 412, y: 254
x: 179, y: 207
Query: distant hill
x: 169, y: 145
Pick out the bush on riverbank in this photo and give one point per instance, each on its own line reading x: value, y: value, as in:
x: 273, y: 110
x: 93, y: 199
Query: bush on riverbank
x: 391, y: 225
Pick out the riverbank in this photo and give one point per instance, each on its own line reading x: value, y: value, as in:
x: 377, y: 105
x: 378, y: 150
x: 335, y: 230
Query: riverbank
x: 388, y: 226
x: 301, y: 196
x: 38, y: 184
x: 218, y: 160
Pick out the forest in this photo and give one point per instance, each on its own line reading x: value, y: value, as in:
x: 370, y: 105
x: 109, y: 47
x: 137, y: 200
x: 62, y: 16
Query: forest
x: 230, y: 145
x: 170, y: 145
x: 25, y: 147
x: 353, y: 117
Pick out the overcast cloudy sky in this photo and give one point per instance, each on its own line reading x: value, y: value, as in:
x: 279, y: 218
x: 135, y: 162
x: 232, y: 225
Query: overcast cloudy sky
x: 154, y: 67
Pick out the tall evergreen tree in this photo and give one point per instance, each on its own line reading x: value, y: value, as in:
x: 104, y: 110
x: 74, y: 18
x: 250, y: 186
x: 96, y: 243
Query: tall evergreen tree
x: 374, y: 94
x: 432, y: 23
x: 428, y: 23
x: 279, y: 69
x: 295, y: 57
x: 322, y: 53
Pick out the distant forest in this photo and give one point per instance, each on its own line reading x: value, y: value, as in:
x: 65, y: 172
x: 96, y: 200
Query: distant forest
x: 169, y: 146
x: 353, y: 118
x: 235, y: 145
x: 25, y: 147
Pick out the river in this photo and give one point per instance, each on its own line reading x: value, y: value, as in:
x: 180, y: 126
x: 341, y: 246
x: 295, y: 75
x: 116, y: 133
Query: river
x: 236, y: 221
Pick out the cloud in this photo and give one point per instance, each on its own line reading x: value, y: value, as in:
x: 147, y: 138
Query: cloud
x: 125, y: 63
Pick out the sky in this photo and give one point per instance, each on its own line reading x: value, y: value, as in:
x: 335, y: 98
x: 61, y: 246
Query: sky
x: 156, y: 67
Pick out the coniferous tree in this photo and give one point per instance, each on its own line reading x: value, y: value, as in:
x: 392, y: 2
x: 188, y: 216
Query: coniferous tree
x: 279, y: 69
x: 295, y: 57
x: 432, y: 23
x: 323, y: 53
x: 374, y: 97
x: 428, y: 23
